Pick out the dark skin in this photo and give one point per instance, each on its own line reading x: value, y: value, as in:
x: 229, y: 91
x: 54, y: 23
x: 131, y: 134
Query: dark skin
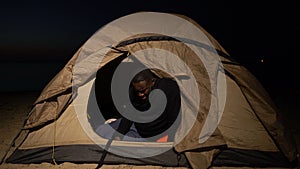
x: 143, y: 89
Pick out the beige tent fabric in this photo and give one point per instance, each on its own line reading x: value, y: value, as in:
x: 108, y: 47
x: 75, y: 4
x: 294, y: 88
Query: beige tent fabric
x: 264, y: 109
x: 201, y: 160
x: 58, y: 93
x: 252, y: 98
x: 239, y: 124
x: 64, y: 131
x: 54, y: 97
x: 67, y: 130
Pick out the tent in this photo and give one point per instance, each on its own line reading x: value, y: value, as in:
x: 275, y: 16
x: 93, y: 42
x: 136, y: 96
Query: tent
x: 228, y: 119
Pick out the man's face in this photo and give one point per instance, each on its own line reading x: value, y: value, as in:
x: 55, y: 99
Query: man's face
x: 143, y: 88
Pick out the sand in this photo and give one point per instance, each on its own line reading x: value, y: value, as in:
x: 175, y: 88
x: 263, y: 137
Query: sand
x: 13, y: 110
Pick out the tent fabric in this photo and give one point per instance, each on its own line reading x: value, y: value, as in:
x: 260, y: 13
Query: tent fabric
x: 87, y: 153
x: 264, y: 109
x: 250, y: 125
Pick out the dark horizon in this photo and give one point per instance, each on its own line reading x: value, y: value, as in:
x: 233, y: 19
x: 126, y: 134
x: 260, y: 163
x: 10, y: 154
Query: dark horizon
x: 40, y: 37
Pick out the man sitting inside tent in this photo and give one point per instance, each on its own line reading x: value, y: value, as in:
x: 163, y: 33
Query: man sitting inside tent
x: 163, y: 127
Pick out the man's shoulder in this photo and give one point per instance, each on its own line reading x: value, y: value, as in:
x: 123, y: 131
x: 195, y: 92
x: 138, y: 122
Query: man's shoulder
x: 169, y: 87
x: 166, y: 82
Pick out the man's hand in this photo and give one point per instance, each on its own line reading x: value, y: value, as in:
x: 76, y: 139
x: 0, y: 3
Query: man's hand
x: 118, y: 138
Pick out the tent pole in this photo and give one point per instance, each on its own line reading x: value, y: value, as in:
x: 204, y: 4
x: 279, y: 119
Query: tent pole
x: 107, y: 146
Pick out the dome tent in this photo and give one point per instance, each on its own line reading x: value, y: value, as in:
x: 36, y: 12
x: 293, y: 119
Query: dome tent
x: 248, y: 131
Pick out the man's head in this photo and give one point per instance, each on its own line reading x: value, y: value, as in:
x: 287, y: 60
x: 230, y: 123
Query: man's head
x: 143, y: 82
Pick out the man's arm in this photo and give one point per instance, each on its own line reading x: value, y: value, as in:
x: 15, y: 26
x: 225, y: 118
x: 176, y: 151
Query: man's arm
x: 123, y: 128
x: 173, y: 106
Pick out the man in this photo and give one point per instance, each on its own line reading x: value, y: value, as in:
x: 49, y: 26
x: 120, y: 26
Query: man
x: 141, y: 86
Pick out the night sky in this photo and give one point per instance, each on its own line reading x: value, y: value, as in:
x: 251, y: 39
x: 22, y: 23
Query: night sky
x: 38, y: 37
